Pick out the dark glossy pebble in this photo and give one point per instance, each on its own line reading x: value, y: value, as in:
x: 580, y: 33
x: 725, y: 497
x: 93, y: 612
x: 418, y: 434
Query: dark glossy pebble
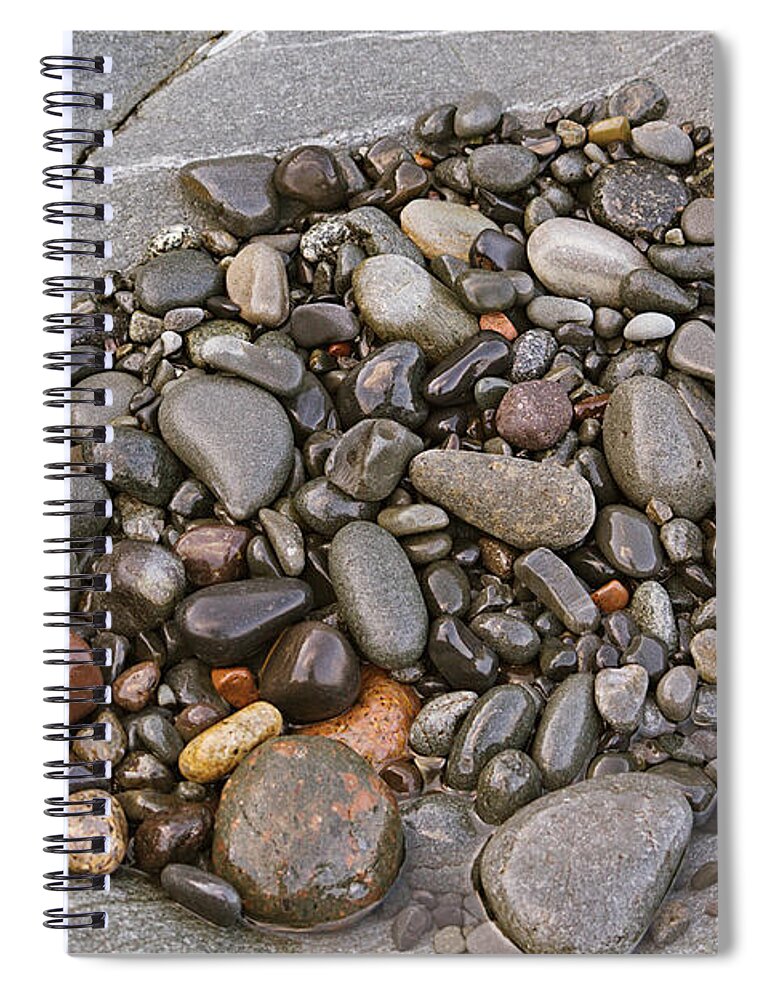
x: 448, y: 269
x: 453, y: 173
x: 649, y: 653
x: 385, y: 154
x: 638, y: 100
x: 213, y: 553
x: 592, y: 465
x: 403, y: 182
x: 261, y: 558
x: 501, y: 719
x: 532, y: 354
x: 534, y: 415
x: 323, y: 323
x: 210, y: 896
x: 636, y: 197
x: 403, y: 777
x: 451, y: 382
x: 311, y: 409
x: 324, y: 508
x: 629, y: 540
x: 317, y: 572
x: 513, y: 640
x: 385, y: 384
x: 688, y: 263
x: 568, y: 732
x: 177, y: 278
x: 552, y: 581
x: 461, y: 658
x: 190, y: 680
x: 446, y: 588
x: 698, y: 400
x: 142, y: 464
x: 557, y: 659
x: 429, y: 547
x: 179, y: 835
x: 227, y: 623
x: 436, y: 125
x: 646, y: 290
x: 239, y: 189
x: 140, y: 803
x: 620, y: 628
x: 507, y: 782
x: 222, y: 307
x: 477, y: 114
x: 483, y: 291
x: 445, y: 421
x: 311, y: 174
x: 698, y: 788
x: 311, y: 673
x: 610, y: 763
x: 502, y: 169
x: 499, y: 209
x: 541, y: 141
x: 194, y: 719
x: 591, y: 566
x: 316, y: 450
x: 140, y: 769
x: 157, y: 734
x: 627, y: 364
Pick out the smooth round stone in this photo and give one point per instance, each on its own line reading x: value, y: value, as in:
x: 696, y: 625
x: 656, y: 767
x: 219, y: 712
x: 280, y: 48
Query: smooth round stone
x: 446, y: 588
x: 399, y: 300
x: 578, y: 259
x: 319, y: 323
x: 196, y: 338
x: 655, y: 449
x: 140, y: 769
x: 664, y: 142
x: 501, y: 719
x: 461, y: 657
x: 236, y: 685
x: 146, y: 583
x: 635, y: 197
x: 433, y: 731
x: 700, y: 403
x: 495, y: 251
x: 698, y: 221
x: 311, y: 174
x: 620, y: 694
x: 234, y: 436
x: 452, y: 381
x: 524, y: 503
x: 513, y: 640
x: 324, y: 508
x: 613, y: 846
x: 380, y: 599
x: 653, y: 612
x: 648, y: 326
x: 629, y: 540
x: 443, y: 227
x: 506, y: 783
x: 311, y: 673
x: 238, y: 189
x: 178, y: 835
x: 675, y: 692
x: 385, y: 384
x: 427, y: 548
x: 693, y: 348
x: 638, y: 100
x: 687, y: 263
x: 477, y: 114
x: 628, y: 364
x: 502, y: 169
x: 270, y: 366
x: 133, y: 688
x: 551, y: 311
x: 114, y: 747
x: 307, y: 833
x: 156, y: 733
x: 377, y: 725
x: 568, y: 731
x: 370, y: 459
x: 142, y: 465
x: 205, y: 894
x: 177, y: 278
x: 436, y: 125
x: 120, y: 388
x: 703, y: 649
x: 227, y: 623
x: 532, y: 354
x: 113, y: 827
x: 534, y: 415
x: 412, y: 519
x: 285, y: 537
x: 257, y: 283
x: 485, y: 291
x: 218, y: 750
x: 646, y: 290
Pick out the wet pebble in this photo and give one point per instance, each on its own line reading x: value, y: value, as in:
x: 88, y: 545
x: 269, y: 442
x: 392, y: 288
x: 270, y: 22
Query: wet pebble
x: 567, y: 733
x: 175, y: 279
x: 442, y: 227
x: 620, y: 694
x: 434, y: 729
x: 385, y: 384
x: 238, y: 190
x: 534, y: 415
x: 178, y: 835
x: 506, y: 783
x: 213, y: 553
x: 692, y: 350
x: 206, y: 894
x: 461, y: 658
x: 112, y: 827
x: 217, y: 751
x: 146, y: 583
x: 312, y: 175
x: 257, y: 283
x: 629, y: 541
x: 369, y: 460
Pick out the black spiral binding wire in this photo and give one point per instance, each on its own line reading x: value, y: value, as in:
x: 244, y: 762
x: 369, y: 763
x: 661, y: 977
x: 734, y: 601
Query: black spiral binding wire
x: 78, y: 360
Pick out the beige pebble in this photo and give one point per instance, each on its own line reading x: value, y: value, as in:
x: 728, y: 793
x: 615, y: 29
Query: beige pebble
x: 257, y: 282
x: 113, y: 826
x: 218, y: 750
x: 439, y: 227
x: 704, y: 654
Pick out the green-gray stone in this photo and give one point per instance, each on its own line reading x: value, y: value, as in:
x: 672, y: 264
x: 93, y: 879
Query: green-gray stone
x: 437, y: 722
x: 147, y: 582
x: 324, y: 508
x: 177, y: 278
x: 266, y: 364
x: 568, y: 731
x: 513, y: 640
x: 121, y: 386
x: 370, y: 459
x: 507, y: 782
x: 142, y: 464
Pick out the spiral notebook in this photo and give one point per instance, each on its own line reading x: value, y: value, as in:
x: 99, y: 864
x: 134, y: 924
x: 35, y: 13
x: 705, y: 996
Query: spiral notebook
x: 389, y: 428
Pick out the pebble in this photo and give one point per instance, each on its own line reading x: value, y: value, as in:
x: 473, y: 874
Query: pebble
x: 495, y: 251
x: 694, y: 783
x: 688, y: 263
x: 119, y: 388
x: 177, y: 835
x: 487, y: 939
x: 238, y: 190
x: 234, y: 436
x: 652, y: 611
x: 477, y: 114
x: 218, y: 750
x: 675, y: 692
x: 113, y: 827
x: 307, y: 833
x: 453, y: 380
x: 629, y: 541
x: 113, y: 748
x: 441, y: 834
x: 636, y: 197
x: 177, y: 278
x: 698, y: 221
x: 311, y: 673
x: 369, y: 460
x: 428, y: 547
x: 506, y: 783
x: 311, y: 174
x: 613, y: 846
x: 400, y: 301
x: 257, y: 283
x: 213, y: 553
x: 433, y: 730
x: 385, y: 384
x: 532, y: 354
x: 319, y: 323
x: 134, y: 688
x: 513, y: 640
x: 502, y: 169
x: 483, y: 291
x: 552, y: 581
x: 639, y: 100
x: 707, y: 875
x: 449, y: 941
x: 156, y: 733
x: 524, y: 503
x: 649, y: 326
x: 443, y: 227
x: 378, y: 594
x: 268, y: 365
x: 534, y: 415
x: 141, y: 464
x: 654, y: 448
x: 461, y: 658
x: 324, y: 508
x: 662, y: 141
x: 569, y: 728
x: 703, y: 649
x: 286, y: 539
x: 693, y: 349
x: 236, y: 685
x: 551, y: 311
x: 682, y: 540
x: 578, y: 259
x: 205, y: 894
x: 646, y: 290
x: 183, y: 319
x: 146, y: 583
x: 446, y: 588
x: 620, y: 694
x: 140, y: 769
x: 412, y: 519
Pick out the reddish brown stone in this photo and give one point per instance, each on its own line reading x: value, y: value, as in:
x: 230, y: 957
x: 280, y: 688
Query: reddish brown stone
x: 497, y: 557
x: 134, y: 688
x: 214, y: 553
x: 592, y: 407
x: 340, y: 350
x: 499, y: 323
x: 534, y: 415
x: 195, y: 718
x: 613, y: 596
x: 175, y: 836
x: 82, y: 674
x: 236, y: 685
x: 403, y: 777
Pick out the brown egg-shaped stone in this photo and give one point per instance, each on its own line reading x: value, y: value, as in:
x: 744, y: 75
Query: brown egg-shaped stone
x: 113, y: 827
x: 177, y: 835
x: 82, y: 674
x: 133, y: 689
x: 311, y: 673
x: 214, y: 553
x: 311, y: 175
x: 377, y: 726
x: 534, y: 415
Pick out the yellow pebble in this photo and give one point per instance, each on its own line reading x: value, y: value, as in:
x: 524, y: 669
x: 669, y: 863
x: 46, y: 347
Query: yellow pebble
x: 609, y: 130
x: 218, y: 750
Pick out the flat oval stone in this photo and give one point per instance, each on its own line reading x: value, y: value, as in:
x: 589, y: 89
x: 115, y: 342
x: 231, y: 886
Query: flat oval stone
x: 177, y: 278
x: 620, y: 694
x: 385, y: 384
x: 675, y: 692
x: 285, y: 536
x: 568, y: 731
x: 482, y: 291
x: 477, y: 114
x: 307, y: 833
x: 513, y: 640
x: 693, y: 350
x: 205, y: 894
x: 638, y: 100
x: 662, y: 141
x: 655, y: 449
x: 520, y: 502
x: 227, y: 623
x: 235, y: 437
x: 268, y: 365
x: 239, y: 190
x: 452, y: 380
x: 133, y: 688
x: 434, y: 729
x: 648, y: 326
x: 460, y: 656
x: 502, y: 169
x: 534, y: 415
x: 218, y: 750
x: 443, y: 227
x: 320, y: 323
x: 446, y: 588
x: 312, y: 175
x: 506, y: 783
x: 551, y: 311
x: 399, y: 300
x: 412, y: 519
x: 370, y: 459
x: 552, y: 581
x: 629, y: 540
x: 698, y: 221
x: 647, y: 290
x: 687, y: 263
x: 613, y: 846
x: 113, y: 827
x: 635, y: 197
x: 311, y: 673
x: 213, y: 553
x: 146, y: 583
x: 576, y: 259
x: 378, y: 593
x: 257, y: 283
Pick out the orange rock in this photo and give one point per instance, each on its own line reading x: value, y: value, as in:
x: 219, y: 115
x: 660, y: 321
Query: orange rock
x: 236, y: 685
x: 82, y: 674
x: 592, y: 406
x: 613, y: 596
x: 423, y: 161
x: 341, y: 349
x: 377, y: 726
x: 498, y: 323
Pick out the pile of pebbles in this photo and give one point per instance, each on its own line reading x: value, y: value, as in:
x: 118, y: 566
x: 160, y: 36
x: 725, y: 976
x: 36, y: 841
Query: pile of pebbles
x: 412, y: 506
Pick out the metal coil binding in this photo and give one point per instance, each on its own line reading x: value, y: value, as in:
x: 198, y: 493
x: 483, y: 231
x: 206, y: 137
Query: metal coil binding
x: 78, y: 358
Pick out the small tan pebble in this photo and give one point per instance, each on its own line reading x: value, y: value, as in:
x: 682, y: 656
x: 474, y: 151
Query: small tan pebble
x: 114, y: 827
x: 658, y: 511
x: 449, y: 941
x: 218, y: 750
x: 671, y: 921
x: 703, y: 649
x: 219, y: 242
x: 705, y: 876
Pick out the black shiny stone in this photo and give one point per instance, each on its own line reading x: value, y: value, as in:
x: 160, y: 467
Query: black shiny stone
x: 495, y: 251
x: 629, y: 540
x: 385, y: 384
x: 311, y: 409
x: 452, y: 380
x: 446, y: 588
x: 461, y: 658
x: 649, y: 653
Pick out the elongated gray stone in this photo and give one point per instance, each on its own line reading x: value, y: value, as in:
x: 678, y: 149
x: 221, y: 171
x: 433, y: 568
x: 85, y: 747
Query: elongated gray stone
x: 268, y: 365
x: 552, y: 581
x: 524, y: 503
x: 574, y: 259
x: 443, y: 227
x: 584, y: 869
x: 568, y: 731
